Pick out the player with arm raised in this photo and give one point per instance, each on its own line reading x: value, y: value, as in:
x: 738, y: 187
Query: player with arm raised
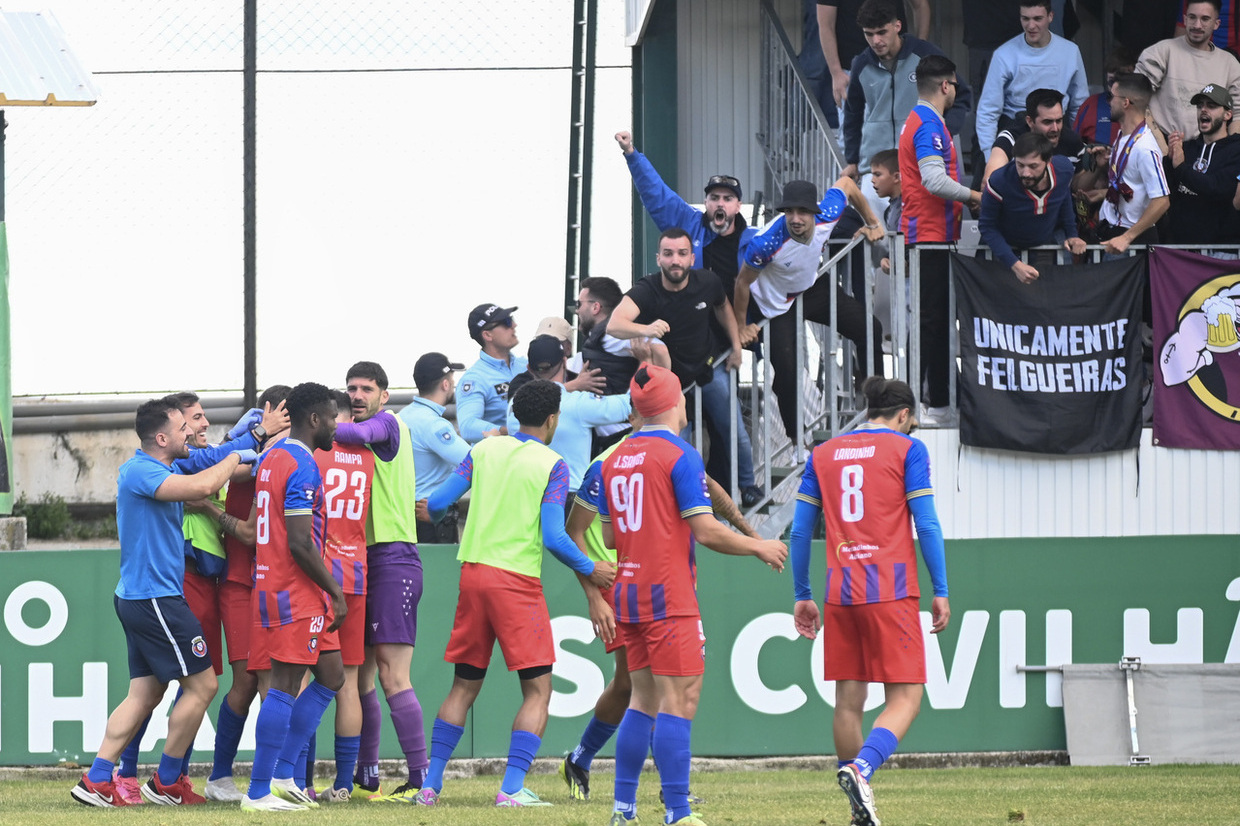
x: 867, y: 483
x: 654, y: 505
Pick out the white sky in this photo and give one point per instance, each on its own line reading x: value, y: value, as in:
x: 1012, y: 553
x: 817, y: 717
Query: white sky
x: 389, y: 203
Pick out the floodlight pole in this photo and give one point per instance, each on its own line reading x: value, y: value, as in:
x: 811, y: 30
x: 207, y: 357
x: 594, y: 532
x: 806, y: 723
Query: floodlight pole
x: 249, y: 211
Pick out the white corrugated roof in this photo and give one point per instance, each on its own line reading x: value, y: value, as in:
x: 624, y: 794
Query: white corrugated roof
x: 37, y: 67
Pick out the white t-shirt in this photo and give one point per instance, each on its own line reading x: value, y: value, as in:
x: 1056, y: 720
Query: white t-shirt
x: 1144, y: 173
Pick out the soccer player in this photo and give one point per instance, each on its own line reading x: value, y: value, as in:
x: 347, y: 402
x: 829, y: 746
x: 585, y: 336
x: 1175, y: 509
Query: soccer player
x: 347, y: 472
x: 519, y: 487
x: 586, y: 531
x: 164, y: 638
x: 299, y: 604
x: 655, y: 506
x: 867, y: 482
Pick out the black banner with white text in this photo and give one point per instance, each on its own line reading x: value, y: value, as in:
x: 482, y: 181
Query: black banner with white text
x: 1053, y: 366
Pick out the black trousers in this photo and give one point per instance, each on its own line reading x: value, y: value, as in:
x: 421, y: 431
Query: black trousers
x: 936, y: 358
x: 851, y: 323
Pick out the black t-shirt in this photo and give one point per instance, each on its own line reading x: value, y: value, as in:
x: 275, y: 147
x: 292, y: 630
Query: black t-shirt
x: 1070, y: 144
x: 988, y: 24
x: 849, y: 38
x: 687, y: 312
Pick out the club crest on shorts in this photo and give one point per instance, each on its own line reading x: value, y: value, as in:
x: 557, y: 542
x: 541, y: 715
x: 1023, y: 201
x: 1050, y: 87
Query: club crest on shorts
x: 313, y: 644
x: 199, y: 646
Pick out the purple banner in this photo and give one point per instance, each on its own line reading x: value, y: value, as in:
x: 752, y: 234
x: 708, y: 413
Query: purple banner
x: 1197, y: 375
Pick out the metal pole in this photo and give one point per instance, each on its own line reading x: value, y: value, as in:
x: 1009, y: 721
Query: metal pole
x: 574, y: 234
x: 4, y: 124
x: 587, y: 148
x: 249, y: 211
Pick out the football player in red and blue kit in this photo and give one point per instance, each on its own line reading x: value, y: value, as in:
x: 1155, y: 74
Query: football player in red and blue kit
x: 867, y: 483
x: 655, y: 505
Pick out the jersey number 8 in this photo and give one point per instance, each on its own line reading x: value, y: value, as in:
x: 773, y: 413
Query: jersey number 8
x: 263, y: 528
x: 852, y: 501
x: 626, y: 502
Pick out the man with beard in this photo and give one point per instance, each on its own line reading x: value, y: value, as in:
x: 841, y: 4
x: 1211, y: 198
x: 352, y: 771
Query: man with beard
x: 1202, y: 174
x: 1179, y: 66
x: 1026, y: 203
x: 437, y: 449
x: 1043, y: 115
x: 719, y: 236
x: 1137, y: 191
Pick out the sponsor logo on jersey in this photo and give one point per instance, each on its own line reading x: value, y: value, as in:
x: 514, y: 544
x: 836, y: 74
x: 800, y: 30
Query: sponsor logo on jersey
x: 199, y: 646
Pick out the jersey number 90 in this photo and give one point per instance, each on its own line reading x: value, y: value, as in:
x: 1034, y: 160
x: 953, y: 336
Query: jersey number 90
x: 626, y: 502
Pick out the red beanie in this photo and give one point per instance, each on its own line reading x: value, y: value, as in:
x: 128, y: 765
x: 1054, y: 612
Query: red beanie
x: 654, y: 390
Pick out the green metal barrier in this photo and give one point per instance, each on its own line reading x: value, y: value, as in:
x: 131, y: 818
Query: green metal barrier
x: 1014, y: 602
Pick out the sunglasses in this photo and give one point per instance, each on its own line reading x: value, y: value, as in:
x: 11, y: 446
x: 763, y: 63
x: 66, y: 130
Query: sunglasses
x: 955, y: 84
x: 578, y: 302
x: 723, y: 180
x: 508, y: 322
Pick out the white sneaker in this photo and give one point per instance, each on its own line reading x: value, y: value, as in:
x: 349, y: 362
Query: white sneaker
x: 222, y: 788
x: 334, y: 795
x: 932, y: 417
x: 286, y: 788
x: 269, y: 803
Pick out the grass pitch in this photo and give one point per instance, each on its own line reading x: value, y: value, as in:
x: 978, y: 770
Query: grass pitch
x: 905, y: 797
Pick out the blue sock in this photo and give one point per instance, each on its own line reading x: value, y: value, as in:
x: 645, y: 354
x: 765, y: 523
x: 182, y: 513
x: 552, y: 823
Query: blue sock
x: 632, y: 746
x: 100, y: 771
x: 129, y: 757
x: 304, y: 768
x: 299, y: 767
x: 304, y: 720
x: 444, y: 737
x: 522, y: 747
x: 269, y: 733
x: 671, y: 749
x: 595, y: 736
x: 228, y: 728
x: 878, y: 747
x: 347, y: 749
x: 169, y: 768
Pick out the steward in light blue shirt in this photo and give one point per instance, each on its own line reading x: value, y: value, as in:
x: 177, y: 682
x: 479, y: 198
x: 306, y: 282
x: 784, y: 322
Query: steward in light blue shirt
x: 437, y: 449
x: 483, y: 398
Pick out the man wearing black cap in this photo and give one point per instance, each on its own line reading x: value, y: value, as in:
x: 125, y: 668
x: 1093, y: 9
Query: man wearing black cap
x: 1202, y: 174
x: 437, y: 449
x: 483, y: 399
x: 781, y: 263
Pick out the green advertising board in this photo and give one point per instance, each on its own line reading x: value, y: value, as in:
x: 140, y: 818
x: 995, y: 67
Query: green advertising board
x: 1014, y: 602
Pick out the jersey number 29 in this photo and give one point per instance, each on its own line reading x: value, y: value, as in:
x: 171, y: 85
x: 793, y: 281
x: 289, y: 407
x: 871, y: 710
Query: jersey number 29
x: 626, y: 501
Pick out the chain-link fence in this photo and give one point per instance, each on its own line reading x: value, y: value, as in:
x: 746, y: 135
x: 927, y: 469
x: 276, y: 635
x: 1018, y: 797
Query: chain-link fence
x: 412, y: 162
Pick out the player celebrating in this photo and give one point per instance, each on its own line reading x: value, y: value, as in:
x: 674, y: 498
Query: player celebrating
x: 297, y: 622
x: 519, y: 487
x: 347, y: 472
x: 655, y: 506
x: 867, y: 482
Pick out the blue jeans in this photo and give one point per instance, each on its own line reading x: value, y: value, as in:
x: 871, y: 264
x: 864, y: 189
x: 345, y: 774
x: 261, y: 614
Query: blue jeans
x: 715, y: 411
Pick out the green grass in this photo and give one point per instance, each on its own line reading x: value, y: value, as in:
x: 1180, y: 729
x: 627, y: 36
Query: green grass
x: 905, y: 797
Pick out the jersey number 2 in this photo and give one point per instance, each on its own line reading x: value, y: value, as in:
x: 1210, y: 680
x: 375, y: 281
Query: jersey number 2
x: 626, y: 501
x: 852, y: 500
x: 340, y: 501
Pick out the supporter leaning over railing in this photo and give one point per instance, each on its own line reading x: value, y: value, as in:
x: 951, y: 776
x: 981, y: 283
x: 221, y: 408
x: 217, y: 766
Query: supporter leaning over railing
x: 1044, y: 115
x: 1027, y: 203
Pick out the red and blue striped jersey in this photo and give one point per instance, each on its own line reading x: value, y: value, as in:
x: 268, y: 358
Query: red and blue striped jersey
x: 347, y: 474
x: 288, y: 484
x: 863, y: 481
x: 927, y: 218
x: 652, y: 482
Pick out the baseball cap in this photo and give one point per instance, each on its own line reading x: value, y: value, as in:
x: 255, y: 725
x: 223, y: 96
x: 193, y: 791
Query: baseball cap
x: 545, y: 353
x: 484, y: 315
x: 799, y: 195
x: 432, y: 367
x: 1215, y: 94
x: 724, y: 182
x: 555, y: 326
x: 654, y: 390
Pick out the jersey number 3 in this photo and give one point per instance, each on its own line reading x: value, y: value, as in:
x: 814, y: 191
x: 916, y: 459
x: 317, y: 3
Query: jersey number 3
x: 852, y: 500
x: 626, y: 501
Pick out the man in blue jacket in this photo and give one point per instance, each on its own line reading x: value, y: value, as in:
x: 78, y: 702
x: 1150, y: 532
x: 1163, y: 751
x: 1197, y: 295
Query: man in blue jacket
x: 882, y: 89
x: 719, y: 235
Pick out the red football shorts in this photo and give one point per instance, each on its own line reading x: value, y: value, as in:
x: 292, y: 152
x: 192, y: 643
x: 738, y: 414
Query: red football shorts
x: 235, y: 615
x: 352, y: 632
x: 876, y: 642
x: 495, y: 604
x: 201, y: 596
x: 672, y: 647
x: 300, y: 641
